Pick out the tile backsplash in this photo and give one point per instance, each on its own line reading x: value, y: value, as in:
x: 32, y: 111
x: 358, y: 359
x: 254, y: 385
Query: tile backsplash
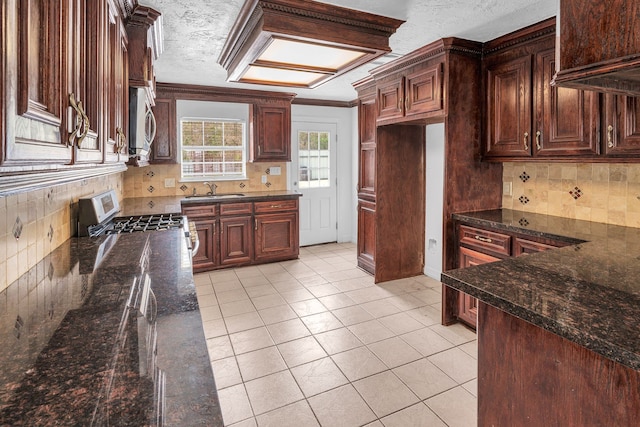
x: 600, y: 192
x: 151, y: 181
x: 34, y: 223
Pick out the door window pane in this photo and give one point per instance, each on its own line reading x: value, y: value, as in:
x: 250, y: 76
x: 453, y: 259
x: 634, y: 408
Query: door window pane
x: 313, y: 159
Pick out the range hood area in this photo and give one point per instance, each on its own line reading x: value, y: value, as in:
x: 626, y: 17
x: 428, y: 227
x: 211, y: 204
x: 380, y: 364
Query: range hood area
x: 598, y: 46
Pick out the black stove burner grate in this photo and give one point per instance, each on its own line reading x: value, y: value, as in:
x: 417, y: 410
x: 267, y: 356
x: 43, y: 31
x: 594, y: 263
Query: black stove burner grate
x: 145, y: 223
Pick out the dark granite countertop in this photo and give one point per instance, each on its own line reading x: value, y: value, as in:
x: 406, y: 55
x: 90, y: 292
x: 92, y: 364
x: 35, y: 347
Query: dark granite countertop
x: 172, y: 204
x: 81, y: 346
x: 588, y: 292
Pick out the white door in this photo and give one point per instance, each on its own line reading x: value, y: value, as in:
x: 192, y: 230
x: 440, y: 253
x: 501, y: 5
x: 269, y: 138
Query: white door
x: 313, y: 173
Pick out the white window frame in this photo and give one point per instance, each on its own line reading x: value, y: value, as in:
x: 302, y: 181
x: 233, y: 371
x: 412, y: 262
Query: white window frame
x: 214, y: 176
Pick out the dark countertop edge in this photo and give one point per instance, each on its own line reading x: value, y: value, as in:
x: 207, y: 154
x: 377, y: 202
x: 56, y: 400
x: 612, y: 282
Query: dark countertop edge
x: 248, y: 197
x: 602, y: 347
x: 468, y: 218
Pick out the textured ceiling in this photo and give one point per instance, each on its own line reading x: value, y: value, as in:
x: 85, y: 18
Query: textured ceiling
x: 195, y: 32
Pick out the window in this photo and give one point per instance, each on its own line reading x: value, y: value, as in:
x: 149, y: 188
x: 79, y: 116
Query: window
x: 213, y: 148
x: 313, y: 154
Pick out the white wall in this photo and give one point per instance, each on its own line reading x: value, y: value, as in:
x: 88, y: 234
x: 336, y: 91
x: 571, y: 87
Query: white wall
x: 434, y: 200
x: 344, y: 120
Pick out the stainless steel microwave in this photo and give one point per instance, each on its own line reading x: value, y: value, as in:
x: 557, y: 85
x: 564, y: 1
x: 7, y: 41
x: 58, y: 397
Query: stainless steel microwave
x: 142, y: 123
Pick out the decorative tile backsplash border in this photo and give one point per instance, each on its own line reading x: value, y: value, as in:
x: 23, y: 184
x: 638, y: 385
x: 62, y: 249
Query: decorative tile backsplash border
x: 152, y: 181
x: 600, y: 192
x: 33, y: 224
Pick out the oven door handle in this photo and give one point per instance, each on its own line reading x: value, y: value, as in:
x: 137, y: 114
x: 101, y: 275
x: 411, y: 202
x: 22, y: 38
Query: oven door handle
x: 195, y: 248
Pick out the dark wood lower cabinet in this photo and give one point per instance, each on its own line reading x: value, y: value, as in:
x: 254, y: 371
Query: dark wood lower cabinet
x: 479, y: 246
x: 530, y: 376
x: 235, y: 240
x: 205, y: 258
x: 276, y: 237
x: 243, y: 233
x: 468, y: 305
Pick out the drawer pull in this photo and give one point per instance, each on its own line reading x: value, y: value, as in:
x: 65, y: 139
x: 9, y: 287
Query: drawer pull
x: 526, y: 141
x: 276, y: 206
x: 483, y: 239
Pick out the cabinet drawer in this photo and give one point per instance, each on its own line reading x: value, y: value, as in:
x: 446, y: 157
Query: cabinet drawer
x: 276, y: 206
x: 485, y: 240
x: 522, y: 247
x: 202, y: 211
x: 236, y: 208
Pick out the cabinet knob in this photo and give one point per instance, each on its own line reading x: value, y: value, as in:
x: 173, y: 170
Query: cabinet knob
x: 526, y: 141
x: 610, y: 136
x: 538, y: 146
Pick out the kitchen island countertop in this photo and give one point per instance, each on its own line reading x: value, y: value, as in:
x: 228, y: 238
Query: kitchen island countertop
x: 78, y: 349
x: 587, y: 293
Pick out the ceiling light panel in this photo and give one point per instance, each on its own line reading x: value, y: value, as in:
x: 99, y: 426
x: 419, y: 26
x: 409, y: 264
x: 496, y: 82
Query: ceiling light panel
x: 305, y: 43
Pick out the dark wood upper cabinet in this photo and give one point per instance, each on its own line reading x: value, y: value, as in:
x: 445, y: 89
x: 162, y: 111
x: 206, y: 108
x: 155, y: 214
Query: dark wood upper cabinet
x: 165, y: 145
x: 622, y: 126
x: 526, y: 116
x: 509, y: 108
x: 567, y: 120
x: 411, y: 93
x: 599, y: 46
x: 36, y: 97
x: 117, y: 88
x: 270, y: 133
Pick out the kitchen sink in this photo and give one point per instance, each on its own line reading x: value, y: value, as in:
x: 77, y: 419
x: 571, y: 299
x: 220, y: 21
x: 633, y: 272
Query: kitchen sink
x: 216, y: 196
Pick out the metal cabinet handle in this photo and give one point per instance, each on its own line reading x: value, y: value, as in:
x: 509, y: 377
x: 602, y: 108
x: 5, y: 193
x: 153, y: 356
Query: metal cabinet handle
x: 256, y: 225
x: 483, y: 239
x: 400, y: 103
x: 526, y: 140
x: 538, y: 133
x: 610, y: 136
x: 276, y: 206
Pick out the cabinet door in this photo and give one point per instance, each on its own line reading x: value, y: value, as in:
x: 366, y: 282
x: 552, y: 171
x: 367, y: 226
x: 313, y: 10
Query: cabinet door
x: 235, y: 240
x: 271, y: 136
x: 37, y: 71
x: 509, y: 109
x: 116, y: 90
x: 423, y: 91
x: 206, y: 258
x: 622, y: 126
x: 165, y: 145
x: 390, y: 99
x: 92, y: 79
x: 276, y: 237
x: 567, y: 120
x: 366, y: 236
x: 468, y: 305
x: 367, y: 161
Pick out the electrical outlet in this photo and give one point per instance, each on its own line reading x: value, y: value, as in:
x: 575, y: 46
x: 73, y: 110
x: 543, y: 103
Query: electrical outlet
x: 169, y: 182
x: 275, y: 170
x: 264, y: 179
x: 506, y: 188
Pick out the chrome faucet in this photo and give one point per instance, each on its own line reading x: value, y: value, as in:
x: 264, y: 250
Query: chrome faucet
x: 212, y: 188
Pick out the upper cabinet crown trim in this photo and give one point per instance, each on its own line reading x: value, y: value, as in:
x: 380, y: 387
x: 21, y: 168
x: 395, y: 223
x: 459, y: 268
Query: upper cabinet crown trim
x: 450, y: 44
x: 531, y: 33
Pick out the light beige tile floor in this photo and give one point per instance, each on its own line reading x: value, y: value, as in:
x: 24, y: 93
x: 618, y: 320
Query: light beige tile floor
x: 314, y: 342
